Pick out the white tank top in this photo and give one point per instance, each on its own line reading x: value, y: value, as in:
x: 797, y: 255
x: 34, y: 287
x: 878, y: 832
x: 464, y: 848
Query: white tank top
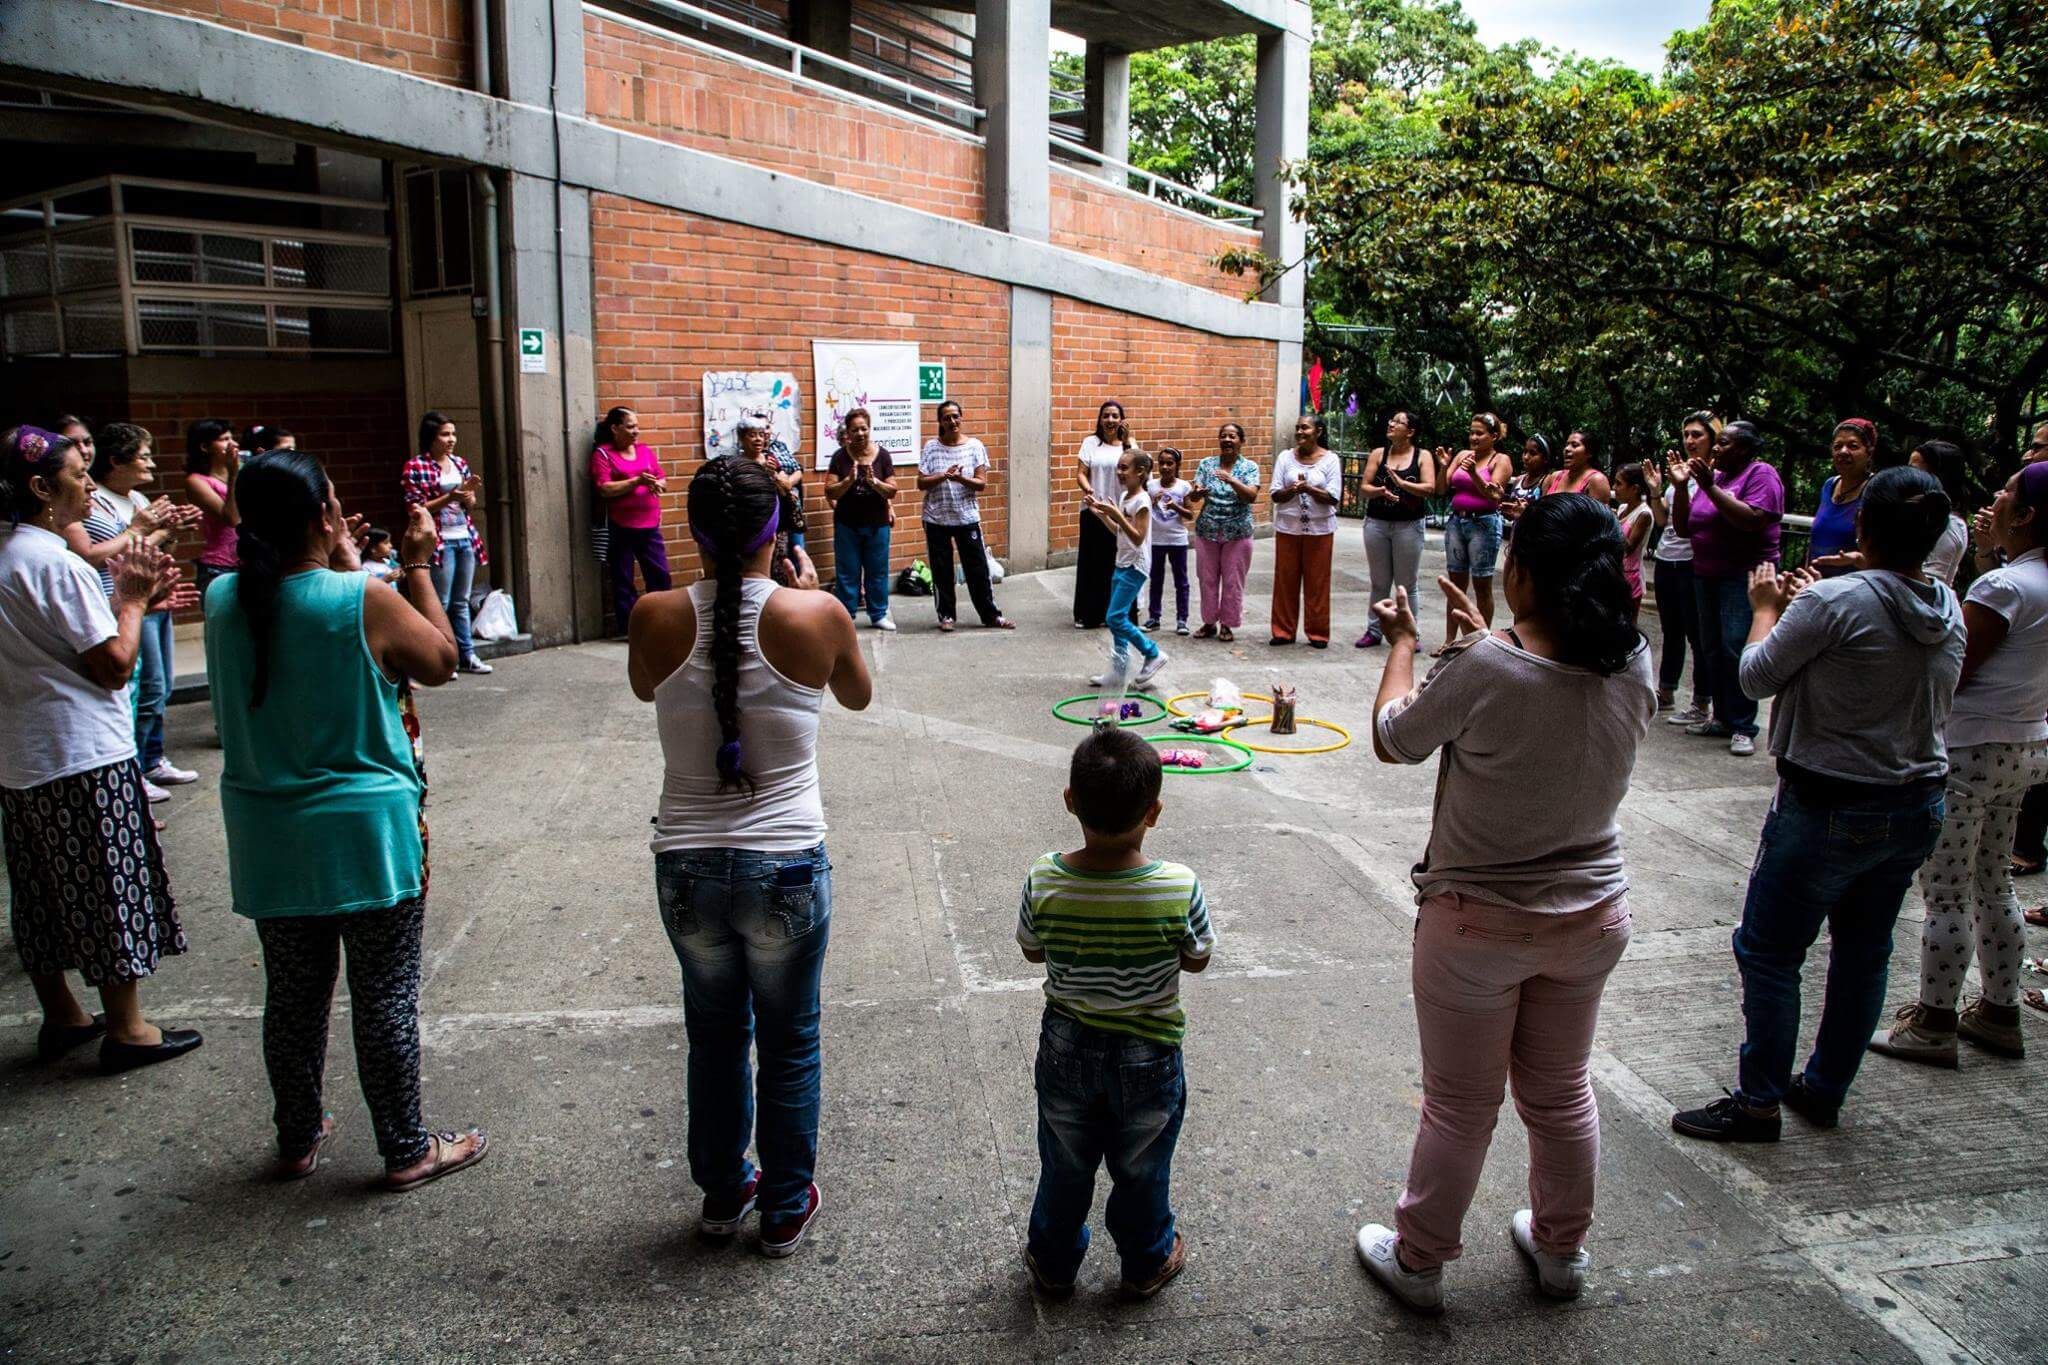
x: 779, y: 746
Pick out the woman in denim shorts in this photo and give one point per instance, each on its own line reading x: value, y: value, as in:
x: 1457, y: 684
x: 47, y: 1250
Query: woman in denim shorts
x: 1477, y: 480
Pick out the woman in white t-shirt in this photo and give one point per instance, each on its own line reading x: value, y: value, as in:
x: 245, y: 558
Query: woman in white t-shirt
x: 1169, y: 493
x: 1678, y: 617
x: 1095, y: 474
x: 85, y: 871
x: 1997, y: 748
x: 1944, y: 460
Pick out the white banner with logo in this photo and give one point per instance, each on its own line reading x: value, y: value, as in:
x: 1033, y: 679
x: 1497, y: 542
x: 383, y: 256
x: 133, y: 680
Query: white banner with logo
x: 731, y: 394
x: 880, y: 376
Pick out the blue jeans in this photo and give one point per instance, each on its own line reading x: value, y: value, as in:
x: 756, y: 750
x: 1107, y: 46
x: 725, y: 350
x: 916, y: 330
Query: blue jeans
x: 749, y: 930
x: 860, y: 558
x: 1722, y: 602
x: 1472, y: 543
x: 453, y: 574
x: 152, y: 687
x: 1840, y: 862
x: 1123, y: 598
x: 1104, y: 1098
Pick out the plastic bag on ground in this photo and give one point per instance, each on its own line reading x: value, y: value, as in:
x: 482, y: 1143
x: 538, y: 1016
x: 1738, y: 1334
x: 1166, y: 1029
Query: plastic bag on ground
x: 495, y: 619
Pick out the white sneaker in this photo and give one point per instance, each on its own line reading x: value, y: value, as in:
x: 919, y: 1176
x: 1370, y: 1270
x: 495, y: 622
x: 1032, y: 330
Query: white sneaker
x: 1561, y: 1277
x: 1691, y: 715
x: 1742, y: 746
x: 475, y: 665
x: 886, y: 623
x: 154, y: 792
x: 1422, y: 1290
x: 165, y: 775
x: 1151, y: 668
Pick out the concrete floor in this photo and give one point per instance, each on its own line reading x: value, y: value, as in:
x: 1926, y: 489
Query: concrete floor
x: 136, y: 1223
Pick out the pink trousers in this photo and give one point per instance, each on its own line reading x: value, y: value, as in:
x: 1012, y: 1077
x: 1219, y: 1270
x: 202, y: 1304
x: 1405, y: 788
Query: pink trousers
x: 1504, y: 995
x: 1221, y: 566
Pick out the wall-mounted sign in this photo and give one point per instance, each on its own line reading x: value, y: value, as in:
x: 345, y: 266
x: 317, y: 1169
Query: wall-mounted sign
x: 533, y: 351
x: 881, y: 376
x: 931, y: 381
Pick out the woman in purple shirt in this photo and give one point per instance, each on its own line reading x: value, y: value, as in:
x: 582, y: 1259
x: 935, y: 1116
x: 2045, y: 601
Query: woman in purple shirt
x: 1730, y: 505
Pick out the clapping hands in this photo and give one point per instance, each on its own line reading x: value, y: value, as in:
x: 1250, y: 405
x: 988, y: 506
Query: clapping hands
x: 1771, y: 591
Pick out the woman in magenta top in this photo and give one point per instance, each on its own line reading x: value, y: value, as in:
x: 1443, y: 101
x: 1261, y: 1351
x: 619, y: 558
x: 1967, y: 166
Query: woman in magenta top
x: 212, y: 462
x: 1731, y: 506
x: 1477, y: 479
x: 630, y: 484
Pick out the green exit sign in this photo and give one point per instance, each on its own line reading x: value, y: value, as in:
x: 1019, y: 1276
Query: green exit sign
x: 533, y: 351
x: 931, y: 382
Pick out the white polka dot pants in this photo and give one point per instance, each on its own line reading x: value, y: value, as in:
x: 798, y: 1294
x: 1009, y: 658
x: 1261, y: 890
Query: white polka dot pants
x: 1971, y: 908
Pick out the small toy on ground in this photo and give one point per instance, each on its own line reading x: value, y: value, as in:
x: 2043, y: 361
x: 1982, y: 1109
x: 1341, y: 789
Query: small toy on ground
x: 1180, y: 758
x: 1113, y: 709
x: 1176, y: 750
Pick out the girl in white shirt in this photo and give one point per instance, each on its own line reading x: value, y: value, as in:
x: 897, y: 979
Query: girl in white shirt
x: 1129, y: 518
x: 1169, y: 494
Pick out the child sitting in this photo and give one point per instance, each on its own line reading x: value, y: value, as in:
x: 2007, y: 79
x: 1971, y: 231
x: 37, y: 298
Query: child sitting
x: 1115, y: 930
x: 379, y: 561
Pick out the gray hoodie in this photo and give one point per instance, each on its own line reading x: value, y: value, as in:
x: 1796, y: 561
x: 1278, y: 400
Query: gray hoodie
x: 1864, y: 668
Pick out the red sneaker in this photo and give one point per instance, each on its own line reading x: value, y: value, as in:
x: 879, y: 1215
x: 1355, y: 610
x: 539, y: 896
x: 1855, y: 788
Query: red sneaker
x: 781, y: 1235
x: 722, y: 1217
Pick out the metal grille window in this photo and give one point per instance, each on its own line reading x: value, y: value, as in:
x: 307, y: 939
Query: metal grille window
x: 437, y: 244
x: 87, y: 270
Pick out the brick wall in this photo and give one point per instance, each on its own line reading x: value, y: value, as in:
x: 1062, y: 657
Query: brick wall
x: 686, y: 95
x: 678, y: 294
x: 1176, y: 386
x: 1089, y: 216
x: 427, y: 38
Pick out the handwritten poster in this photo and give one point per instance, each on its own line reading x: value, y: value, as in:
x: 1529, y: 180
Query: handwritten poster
x: 880, y: 376
x: 731, y: 394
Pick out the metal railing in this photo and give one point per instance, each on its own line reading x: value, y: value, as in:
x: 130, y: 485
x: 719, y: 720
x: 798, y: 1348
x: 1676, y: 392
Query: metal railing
x: 1241, y: 215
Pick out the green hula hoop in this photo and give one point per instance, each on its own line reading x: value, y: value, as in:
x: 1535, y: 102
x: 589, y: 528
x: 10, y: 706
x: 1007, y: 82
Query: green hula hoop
x: 1059, y: 708
x: 1244, y: 755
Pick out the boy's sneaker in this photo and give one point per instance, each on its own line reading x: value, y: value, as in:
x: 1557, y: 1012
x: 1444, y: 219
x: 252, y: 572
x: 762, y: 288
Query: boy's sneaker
x: 1151, y: 668
x: 154, y: 792
x: 1709, y: 729
x: 1180, y: 627
x: 782, y: 1234
x: 1152, y: 623
x: 1976, y: 1025
x: 473, y: 664
x: 164, y: 774
x: 1726, y: 1120
x: 1810, y: 1106
x: 886, y: 623
x: 1912, y: 1039
x: 1561, y: 1277
x: 1045, y: 1285
x: 1421, y: 1290
x: 1176, y: 1261
x: 722, y: 1217
x: 1691, y: 715
x: 1742, y: 746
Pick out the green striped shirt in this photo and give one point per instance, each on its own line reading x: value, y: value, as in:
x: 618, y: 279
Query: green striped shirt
x: 1113, y: 942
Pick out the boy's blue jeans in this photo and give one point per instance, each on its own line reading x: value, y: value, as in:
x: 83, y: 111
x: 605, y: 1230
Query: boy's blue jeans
x: 1123, y: 597
x: 749, y: 930
x: 1845, y: 864
x: 1104, y: 1098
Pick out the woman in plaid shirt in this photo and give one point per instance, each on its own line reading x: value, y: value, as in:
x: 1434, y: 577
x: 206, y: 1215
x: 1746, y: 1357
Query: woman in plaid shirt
x: 440, y: 480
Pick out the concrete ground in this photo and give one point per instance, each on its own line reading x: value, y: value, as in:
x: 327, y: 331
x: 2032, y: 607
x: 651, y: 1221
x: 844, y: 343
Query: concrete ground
x: 136, y: 1223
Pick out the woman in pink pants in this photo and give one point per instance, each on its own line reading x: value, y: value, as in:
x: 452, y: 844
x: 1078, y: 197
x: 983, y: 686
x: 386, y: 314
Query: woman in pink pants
x: 1520, y: 922
x: 1225, y: 487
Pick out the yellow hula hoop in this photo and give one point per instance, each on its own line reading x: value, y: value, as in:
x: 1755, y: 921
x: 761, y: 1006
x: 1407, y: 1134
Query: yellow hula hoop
x: 1299, y: 720
x: 1173, y: 710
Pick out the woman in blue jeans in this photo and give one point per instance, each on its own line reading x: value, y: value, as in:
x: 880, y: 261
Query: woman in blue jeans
x: 737, y: 669
x: 440, y: 480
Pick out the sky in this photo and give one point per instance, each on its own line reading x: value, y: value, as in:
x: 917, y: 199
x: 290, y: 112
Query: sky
x: 1632, y: 31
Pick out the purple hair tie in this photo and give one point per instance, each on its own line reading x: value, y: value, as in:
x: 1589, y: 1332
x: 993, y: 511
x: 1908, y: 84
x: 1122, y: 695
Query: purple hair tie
x: 762, y: 537
x: 729, y: 756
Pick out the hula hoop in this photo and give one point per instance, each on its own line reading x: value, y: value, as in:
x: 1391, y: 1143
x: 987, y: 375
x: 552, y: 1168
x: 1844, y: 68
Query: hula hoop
x: 1244, y: 753
x: 1299, y: 720
x: 1058, y: 708
x: 1174, y: 710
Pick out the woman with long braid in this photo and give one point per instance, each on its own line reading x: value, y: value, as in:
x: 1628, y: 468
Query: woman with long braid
x: 740, y: 870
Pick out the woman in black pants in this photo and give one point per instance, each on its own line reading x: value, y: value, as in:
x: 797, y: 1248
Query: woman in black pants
x: 1095, y: 472
x: 1677, y: 614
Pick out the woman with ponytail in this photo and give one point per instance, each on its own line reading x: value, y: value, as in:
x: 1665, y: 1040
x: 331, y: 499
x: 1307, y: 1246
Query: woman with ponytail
x: 1519, y: 923
x: 737, y: 668
x: 320, y: 794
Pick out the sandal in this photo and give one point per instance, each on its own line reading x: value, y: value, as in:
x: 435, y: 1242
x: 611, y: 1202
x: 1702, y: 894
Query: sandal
x: 1207, y: 632
x: 1223, y: 634
x: 945, y: 625
x: 2038, y: 916
x: 1001, y: 623
x: 438, y: 1161
x: 299, y: 1167
x: 2035, y: 998
x: 2022, y: 868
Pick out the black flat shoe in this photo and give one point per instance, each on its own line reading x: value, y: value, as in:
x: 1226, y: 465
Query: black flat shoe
x: 117, y: 1056
x: 53, y: 1041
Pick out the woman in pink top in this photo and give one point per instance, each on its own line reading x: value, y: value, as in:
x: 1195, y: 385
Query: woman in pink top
x: 1477, y: 480
x: 212, y: 462
x: 630, y: 484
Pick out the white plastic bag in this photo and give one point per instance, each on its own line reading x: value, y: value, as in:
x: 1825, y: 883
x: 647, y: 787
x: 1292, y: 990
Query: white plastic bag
x: 995, y: 569
x: 495, y: 619
x: 1224, y: 696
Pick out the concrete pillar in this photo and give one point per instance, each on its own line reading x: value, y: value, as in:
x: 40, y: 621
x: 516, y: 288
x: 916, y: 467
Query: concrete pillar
x: 826, y: 25
x: 1030, y: 429
x: 548, y: 286
x: 1108, y: 107
x: 1013, y: 82
x: 1281, y: 138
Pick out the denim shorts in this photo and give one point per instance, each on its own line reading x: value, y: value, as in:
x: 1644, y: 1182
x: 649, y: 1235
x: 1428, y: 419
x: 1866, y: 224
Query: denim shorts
x: 1472, y: 543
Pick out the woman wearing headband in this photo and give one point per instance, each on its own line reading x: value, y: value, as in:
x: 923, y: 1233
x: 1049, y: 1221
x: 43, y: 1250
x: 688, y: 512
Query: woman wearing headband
x: 737, y: 669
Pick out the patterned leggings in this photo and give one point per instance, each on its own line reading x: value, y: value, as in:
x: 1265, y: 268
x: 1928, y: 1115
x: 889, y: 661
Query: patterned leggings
x: 1971, y: 908
x: 300, y: 955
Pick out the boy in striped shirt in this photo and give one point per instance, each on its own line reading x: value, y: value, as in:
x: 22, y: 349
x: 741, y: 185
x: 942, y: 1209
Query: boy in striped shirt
x: 1115, y: 930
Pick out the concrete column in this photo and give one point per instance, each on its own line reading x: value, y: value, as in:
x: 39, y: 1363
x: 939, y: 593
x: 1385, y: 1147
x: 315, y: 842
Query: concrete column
x: 1013, y: 82
x: 1281, y: 138
x: 826, y: 25
x: 1108, y: 107
x: 548, y: 286
x: 1030, y: 441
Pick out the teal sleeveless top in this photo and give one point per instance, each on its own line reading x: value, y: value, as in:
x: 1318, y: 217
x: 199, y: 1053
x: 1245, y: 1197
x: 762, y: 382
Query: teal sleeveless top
x: 318, y: 792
